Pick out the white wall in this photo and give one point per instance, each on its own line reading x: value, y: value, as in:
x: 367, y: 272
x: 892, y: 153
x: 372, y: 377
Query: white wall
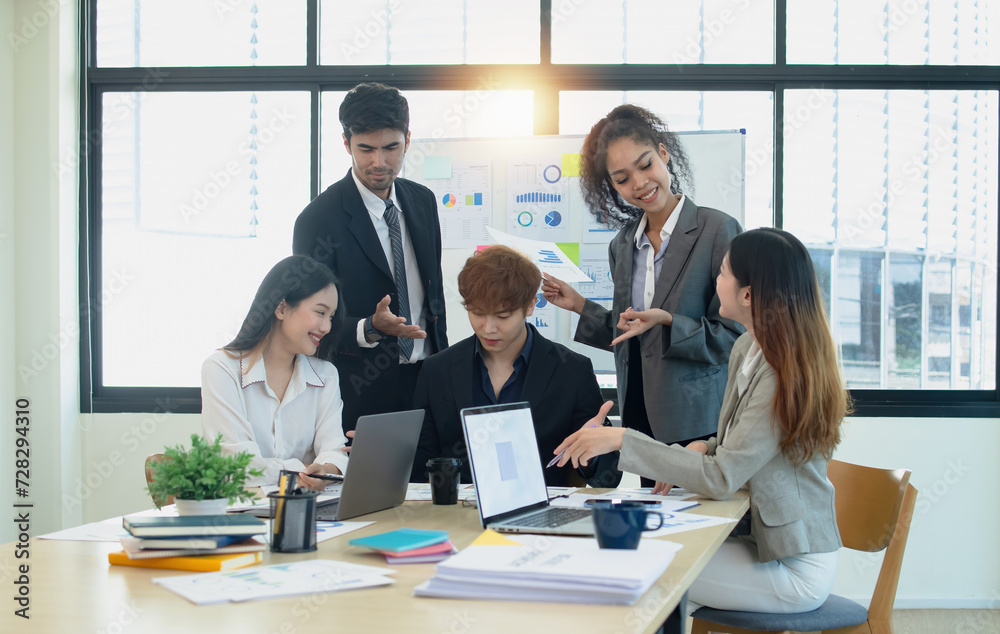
x: 7, y: 364
x: 953, y: 550
x: 40, y: 60
x: 88, y: 467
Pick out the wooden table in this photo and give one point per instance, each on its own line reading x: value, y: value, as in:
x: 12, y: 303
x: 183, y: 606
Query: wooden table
x: 74, y: 589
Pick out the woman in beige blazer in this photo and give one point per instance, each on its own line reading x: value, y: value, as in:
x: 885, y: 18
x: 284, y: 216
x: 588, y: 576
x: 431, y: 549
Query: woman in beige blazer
x: 780, y: 421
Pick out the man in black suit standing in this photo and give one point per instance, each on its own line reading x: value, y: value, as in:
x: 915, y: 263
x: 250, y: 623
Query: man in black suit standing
x: 381, y: 236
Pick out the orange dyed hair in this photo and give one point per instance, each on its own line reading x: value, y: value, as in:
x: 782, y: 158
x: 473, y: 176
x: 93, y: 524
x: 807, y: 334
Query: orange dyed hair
x: 498, y: 279
x: 791, y: 327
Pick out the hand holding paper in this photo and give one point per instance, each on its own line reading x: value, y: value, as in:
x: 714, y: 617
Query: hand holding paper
x: 561, y: 294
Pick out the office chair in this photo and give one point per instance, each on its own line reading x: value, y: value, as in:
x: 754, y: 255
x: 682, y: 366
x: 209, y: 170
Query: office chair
x: 148, y: 465
x: 874, y: 509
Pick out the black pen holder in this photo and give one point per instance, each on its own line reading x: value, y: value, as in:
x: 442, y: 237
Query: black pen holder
x: 293, y: 521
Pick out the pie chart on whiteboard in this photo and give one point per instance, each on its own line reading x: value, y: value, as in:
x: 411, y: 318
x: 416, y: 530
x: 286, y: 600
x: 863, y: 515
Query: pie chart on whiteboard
x: 553, y: 218
x: 449, y: 200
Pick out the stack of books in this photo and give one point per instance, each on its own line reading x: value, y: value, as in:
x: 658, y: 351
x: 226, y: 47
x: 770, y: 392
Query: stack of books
x: 555, y: 569
x: 409, y: 545
x: 194, y: 542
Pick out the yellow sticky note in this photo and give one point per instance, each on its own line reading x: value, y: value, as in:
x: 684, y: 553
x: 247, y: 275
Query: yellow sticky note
x: 571, y: 164
x: 572, y: 251
x: 492, y: 538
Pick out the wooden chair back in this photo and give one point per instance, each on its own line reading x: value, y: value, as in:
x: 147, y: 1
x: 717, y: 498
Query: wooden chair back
x: 874, y: 511
x: 148, y: 466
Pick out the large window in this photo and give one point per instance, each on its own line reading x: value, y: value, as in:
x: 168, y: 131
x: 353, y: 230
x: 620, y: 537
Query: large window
x: 871, y: 133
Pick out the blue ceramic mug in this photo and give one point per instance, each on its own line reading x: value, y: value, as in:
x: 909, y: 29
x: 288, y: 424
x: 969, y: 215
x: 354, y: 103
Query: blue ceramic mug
x: 620, y: 524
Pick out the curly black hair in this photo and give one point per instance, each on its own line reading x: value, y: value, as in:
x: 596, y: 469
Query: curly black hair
x: 641, y: 125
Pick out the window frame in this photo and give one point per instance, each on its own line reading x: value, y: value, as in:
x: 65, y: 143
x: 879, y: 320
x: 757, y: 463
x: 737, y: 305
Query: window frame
x: 545, y: 80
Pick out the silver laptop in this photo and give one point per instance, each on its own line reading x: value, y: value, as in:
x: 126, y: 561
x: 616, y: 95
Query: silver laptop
x: 507, y: 474
x: 379, y: 468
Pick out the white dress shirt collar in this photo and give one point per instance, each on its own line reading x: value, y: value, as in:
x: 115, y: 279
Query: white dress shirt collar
x: 374, y: 204
x: 668, y: 226
x: 303, y: 375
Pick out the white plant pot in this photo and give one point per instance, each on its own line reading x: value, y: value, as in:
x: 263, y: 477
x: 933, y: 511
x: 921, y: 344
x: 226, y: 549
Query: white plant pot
x: 201, y: 507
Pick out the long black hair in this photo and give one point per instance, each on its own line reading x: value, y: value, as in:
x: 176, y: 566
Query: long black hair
x: 626, y: 122
x: 291, y: 280
x: 790, y: 325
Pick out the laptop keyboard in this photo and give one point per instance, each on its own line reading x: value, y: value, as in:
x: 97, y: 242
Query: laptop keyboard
x: 550, y: 517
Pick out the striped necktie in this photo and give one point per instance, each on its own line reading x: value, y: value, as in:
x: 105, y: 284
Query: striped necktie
x: 391, y: 217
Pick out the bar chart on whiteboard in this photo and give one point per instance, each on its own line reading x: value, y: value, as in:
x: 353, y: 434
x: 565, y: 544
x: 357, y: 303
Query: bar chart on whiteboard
x: 538, y: 200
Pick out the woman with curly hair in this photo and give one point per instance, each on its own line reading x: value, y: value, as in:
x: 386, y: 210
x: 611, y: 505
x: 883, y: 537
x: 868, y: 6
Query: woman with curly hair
x: 667, y: 254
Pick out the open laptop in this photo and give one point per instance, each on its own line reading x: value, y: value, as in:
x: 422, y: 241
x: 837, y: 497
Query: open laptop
x: 379, y: 469
x: 506, y: 471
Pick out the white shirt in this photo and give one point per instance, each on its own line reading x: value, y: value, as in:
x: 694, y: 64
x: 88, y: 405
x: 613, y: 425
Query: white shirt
x: 414, y: 288
x: 754, y: 354
x: 646, y: 270
x: 302, y: 428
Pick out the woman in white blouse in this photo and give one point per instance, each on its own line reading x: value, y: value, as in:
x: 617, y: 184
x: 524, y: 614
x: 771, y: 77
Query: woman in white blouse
x: 267, y: 392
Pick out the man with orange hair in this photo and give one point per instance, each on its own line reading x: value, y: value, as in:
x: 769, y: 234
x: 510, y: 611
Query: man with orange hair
x: 507, y: 361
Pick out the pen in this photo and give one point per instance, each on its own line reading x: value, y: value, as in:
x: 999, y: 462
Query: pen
x: 556, y: 459
x: 331, y: 477
x: 563, y: 452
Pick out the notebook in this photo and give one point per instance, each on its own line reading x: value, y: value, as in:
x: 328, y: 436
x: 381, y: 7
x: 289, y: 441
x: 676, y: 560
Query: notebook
x: 401, y: 540
x: 199, y: 563
x: 207, y: 542
x: 193, y: 525
x: 379, y: 468
x: 134, y: 551
x: 507, y: 474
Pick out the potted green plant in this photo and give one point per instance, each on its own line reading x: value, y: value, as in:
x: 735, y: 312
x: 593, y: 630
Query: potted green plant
x: 201, y: 479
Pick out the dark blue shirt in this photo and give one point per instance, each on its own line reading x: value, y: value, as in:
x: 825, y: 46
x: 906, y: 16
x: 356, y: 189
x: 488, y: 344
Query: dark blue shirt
x: 482, y: 387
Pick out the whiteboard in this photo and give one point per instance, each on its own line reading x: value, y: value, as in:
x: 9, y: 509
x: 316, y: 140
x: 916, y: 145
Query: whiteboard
x: 527, y: 186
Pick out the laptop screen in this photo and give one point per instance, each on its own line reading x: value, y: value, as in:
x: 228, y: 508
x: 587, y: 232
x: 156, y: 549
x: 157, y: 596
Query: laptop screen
x: 504, y: 456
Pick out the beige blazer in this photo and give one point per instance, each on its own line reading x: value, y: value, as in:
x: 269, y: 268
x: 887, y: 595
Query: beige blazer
x: 792, y: 506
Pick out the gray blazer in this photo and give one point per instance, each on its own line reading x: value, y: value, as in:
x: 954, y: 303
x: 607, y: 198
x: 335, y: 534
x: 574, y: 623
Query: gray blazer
x: 683, y: 365
x: 792, y: 506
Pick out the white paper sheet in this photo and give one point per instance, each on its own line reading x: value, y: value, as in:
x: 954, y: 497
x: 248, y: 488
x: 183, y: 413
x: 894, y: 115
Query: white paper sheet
x: 676, y: 493
x: 330, y: 493
x: 679, y: 522
x: 577, y: 500
x: 109, y: 530
x: 421, y: 492
x: 280, y: 580
x: 546, y: 255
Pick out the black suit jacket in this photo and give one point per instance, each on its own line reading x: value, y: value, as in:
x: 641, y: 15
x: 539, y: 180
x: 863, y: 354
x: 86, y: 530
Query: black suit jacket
x: 336, y: 229
x: 560, y: 386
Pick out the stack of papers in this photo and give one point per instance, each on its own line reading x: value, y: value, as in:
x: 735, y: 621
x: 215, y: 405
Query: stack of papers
x: 282, y: 580
x: 550, y: 569
x: 579, y: 500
